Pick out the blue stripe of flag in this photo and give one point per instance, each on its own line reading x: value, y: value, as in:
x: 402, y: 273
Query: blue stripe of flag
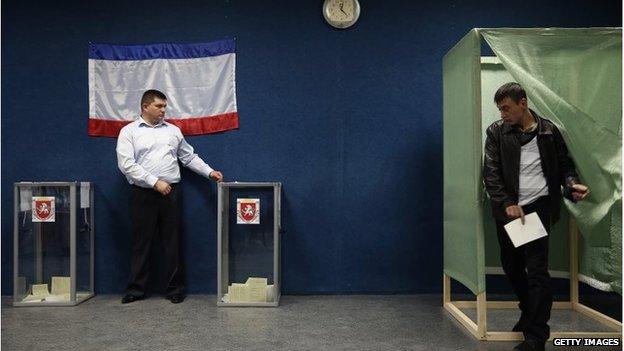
x: 161, y: 51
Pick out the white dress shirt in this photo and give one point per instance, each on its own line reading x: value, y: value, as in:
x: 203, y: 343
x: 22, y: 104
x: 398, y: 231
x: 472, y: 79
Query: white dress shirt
x: 146, y: 154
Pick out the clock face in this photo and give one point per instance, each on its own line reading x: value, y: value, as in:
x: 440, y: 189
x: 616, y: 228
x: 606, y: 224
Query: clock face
x: 341, y: 13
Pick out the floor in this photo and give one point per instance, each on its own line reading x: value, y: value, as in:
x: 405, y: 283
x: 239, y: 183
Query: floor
x: 343, y: 322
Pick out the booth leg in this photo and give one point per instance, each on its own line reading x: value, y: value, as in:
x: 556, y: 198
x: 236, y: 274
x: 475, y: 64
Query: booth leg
x: 481, y: 316
x: 574, y: 282
x: 446, y: 289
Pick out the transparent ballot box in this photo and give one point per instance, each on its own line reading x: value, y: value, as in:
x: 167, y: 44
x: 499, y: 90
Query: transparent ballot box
x: 248, y: 257
x: 52, y: 243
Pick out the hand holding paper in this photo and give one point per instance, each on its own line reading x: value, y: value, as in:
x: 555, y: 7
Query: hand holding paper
x: 515, y: 211
x: 531, y: 230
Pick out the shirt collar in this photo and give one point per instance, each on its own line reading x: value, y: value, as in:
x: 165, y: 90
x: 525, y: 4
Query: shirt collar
x: 142, y: 121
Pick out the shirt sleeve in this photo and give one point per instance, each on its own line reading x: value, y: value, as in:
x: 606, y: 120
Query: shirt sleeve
x: 127, y: 164
x: 191, y: 160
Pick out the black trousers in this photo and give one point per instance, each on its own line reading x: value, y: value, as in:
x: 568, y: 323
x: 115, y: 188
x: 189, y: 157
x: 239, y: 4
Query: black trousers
x: 526, y: 268
x: 156, y: 216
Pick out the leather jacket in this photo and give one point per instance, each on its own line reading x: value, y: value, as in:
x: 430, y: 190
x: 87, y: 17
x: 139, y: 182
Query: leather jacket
x: 501, y: 165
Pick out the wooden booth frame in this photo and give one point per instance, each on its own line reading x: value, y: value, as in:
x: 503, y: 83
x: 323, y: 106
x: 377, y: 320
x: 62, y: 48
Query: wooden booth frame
x: 480, y: 330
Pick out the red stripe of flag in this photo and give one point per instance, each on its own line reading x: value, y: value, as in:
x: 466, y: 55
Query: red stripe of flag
x: 188, y: 126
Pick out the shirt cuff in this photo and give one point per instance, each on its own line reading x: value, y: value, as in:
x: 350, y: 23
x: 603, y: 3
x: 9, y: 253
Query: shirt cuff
x: 151, y: 180
x: 208, y: 171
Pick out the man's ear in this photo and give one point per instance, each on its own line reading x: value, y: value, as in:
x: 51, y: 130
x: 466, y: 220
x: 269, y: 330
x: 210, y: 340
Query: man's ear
x: 524, y: 102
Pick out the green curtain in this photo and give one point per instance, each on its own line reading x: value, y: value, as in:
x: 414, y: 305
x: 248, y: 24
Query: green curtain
x: 463, y: 220
x: 573, y: 76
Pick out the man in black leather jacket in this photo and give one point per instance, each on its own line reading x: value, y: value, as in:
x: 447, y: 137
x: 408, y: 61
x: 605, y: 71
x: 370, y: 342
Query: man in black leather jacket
x: 526, y: 164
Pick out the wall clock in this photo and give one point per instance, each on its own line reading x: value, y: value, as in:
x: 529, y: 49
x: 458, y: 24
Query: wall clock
x: 341, y: 13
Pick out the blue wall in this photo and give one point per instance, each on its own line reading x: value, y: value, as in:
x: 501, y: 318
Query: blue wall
x: 349, y: 121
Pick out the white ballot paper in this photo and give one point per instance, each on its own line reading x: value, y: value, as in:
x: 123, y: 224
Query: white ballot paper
x: 531, y: 230
x: 257, y: 289
x: 60, y: 285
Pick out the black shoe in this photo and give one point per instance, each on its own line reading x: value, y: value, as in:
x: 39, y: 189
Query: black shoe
x: 530, y: 345
x: 177, y: 298
x: 131, y: 298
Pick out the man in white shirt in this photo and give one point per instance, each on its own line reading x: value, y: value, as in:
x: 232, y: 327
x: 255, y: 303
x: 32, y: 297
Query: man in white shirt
x: 148, y: 151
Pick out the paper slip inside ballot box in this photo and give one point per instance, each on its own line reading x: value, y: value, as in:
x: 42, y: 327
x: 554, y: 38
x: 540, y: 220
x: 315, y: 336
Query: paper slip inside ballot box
x: 531, y: 230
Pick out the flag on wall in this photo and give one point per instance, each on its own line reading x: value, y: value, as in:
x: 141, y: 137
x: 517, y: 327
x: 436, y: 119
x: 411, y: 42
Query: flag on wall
x: 198, y: 80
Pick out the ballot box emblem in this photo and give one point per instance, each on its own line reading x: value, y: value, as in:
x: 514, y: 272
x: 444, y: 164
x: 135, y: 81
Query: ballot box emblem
x: 43, y: 209
x: 248, y: 211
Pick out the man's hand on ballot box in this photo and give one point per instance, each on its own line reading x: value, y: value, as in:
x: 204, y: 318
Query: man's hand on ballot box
x: 216, y: 175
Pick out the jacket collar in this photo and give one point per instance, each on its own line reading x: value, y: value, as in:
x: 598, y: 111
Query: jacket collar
x: 542, y: 127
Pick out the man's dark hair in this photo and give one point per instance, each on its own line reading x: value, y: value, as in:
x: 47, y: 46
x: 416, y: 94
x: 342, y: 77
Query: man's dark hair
x: 510, y: 90
x: 150, y: 95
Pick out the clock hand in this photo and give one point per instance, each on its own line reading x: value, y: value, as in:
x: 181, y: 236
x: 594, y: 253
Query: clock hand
x: 341, y: 10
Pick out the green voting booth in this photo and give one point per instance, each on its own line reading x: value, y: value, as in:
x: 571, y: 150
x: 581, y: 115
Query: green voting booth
x: 572, y: 77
